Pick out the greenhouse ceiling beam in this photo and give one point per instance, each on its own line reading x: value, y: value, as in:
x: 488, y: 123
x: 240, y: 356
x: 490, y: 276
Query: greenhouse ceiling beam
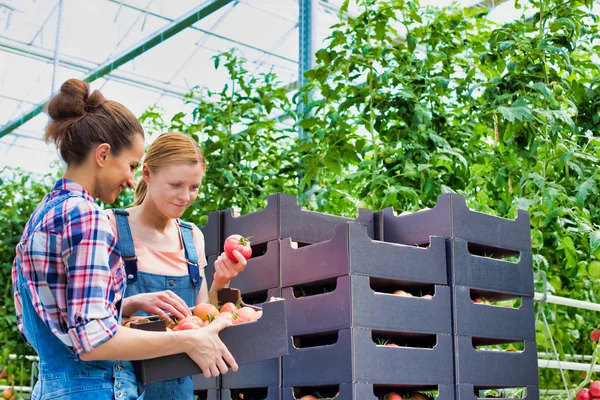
x: 225, y: 38
x: 78, y: 64
x: 156, y: 38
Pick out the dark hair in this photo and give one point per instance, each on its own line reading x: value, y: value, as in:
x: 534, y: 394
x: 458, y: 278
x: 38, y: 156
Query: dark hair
x: 80, y: 119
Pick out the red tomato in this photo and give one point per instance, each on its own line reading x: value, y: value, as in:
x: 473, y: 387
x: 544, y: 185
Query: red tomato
x: 202, y: 311
x: 394, y: 396
x: 239, y: 243
x: 188, y: 323
x: 227, y: 315
x: 308, y: 397
x: 595, y: 388
x: 418, y: 396
x: 246, y: 313
x: 257, y: 315
x: 228, y: 307
x: 595, y: 335
x: 584, y: 394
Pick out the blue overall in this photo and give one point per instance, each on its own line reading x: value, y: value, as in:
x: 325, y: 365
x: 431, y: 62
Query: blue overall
x: 186, y: 287
x: 62, y: 375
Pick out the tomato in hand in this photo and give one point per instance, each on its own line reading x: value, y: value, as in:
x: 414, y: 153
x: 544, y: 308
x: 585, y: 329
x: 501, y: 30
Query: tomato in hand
x: 239, y: 243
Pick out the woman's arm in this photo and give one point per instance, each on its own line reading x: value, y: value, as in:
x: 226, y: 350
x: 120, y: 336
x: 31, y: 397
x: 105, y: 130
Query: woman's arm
x: 203, y: 346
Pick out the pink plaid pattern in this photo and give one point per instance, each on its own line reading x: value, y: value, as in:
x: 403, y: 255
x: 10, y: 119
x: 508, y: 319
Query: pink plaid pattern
x: 72, y: 264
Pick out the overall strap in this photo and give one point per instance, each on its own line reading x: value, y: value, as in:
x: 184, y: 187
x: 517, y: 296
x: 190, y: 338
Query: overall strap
x: 38, y: 220
x: 191, y: 255
x: 126, y: 244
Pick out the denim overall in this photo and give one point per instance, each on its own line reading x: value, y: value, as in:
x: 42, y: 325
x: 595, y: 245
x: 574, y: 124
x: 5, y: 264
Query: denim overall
x: 186, y: 287
x: 62, y: 375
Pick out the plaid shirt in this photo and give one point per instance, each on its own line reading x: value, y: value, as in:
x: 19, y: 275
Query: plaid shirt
x: 72, y: 264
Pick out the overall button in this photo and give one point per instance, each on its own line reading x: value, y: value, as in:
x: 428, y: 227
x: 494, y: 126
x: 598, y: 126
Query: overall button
x: 120, y: 394
x: 118, y: 384
x: 130, y: 276
x: 171, y: 283
x: 118, y: 367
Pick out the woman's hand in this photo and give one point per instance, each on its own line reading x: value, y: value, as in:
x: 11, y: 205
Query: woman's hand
x: 208, y: 351
x: 157, y: 303
x: 226, y: 270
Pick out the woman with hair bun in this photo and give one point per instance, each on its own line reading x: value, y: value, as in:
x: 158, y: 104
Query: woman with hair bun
x: 162, y: 252
x: 68, y: 274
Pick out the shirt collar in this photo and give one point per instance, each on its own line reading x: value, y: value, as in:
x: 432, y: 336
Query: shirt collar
x: 66, y: 185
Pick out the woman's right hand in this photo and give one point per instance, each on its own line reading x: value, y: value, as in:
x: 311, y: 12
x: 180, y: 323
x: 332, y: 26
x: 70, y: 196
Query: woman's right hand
x: 207, y: 350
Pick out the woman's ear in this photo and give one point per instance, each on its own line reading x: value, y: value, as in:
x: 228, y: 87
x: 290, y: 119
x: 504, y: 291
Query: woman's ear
x: 102, y: 151
x: 146, y: 175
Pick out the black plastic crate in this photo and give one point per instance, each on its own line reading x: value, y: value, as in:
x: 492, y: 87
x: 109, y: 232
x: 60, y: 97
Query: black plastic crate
x: 495, y: 368
x: 363, y: 301
x: 213, y: 233
x: 361, y: 391
x: 253, y: 393
x: 202, y: 383
x: 261, y: 374
x: 283, y: 218
x: 262, y: 270
x: 472, y: 392
x: 492, y: 321
x: 209, y: 270
x: 210, y: 394
x: 475, y: 266
x: 451, y: 218
x: 351, y: 250
x: 352, y: 355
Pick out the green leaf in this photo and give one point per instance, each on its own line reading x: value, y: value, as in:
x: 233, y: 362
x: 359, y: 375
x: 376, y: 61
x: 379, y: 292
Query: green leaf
x: 521, y: 113
x: 584, y: 189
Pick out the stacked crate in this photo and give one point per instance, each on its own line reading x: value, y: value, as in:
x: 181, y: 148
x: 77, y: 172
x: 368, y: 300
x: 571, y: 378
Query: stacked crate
x: 261, y: 279
x: 488, y: 258
x: 338, y: 276
x: 357, y: 337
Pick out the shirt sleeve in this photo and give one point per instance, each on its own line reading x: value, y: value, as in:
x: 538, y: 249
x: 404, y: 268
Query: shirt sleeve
x: 88, y: 254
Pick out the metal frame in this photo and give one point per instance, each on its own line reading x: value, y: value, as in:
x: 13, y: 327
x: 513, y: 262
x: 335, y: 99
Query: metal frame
x: 156, y: 38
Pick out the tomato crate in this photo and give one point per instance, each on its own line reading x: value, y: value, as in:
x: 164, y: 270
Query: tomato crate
x: 353, y: 355
x: 262, y: 270
x: 474, y: 392
x: 351, y: 250
x: 367, y: 391
x: 485, y: 268
x: 283, y: 218
x: 362, y: 301
x: 210, y: 394
x: 202, y: 383
x: 506, y: 317
x: 451, y: 219
x: 481, y: 363
x: 252, y: 393
x: 250, y: 342
x: 213, y: 233
x: 259, y: 374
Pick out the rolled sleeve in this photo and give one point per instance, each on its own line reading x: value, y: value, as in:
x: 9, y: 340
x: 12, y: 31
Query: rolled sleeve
x: 88, y: 256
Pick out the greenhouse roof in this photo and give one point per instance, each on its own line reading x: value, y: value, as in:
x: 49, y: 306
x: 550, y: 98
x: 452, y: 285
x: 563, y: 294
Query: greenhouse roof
x: 143, y: 52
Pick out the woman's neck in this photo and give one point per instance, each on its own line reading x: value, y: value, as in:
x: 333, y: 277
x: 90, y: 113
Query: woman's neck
x: 84, y: 177
x: 150, y: 216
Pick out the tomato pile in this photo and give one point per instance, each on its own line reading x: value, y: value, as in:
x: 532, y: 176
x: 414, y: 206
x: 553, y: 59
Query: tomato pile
x: 592, y: 393
x: 204, y: 314
x: 402, y: 293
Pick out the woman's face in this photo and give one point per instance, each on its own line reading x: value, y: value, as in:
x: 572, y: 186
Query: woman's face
x: 118, y: 171
x: 174, y: 188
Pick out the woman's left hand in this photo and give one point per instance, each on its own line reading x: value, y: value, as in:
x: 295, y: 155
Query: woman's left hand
x: 226, y: 270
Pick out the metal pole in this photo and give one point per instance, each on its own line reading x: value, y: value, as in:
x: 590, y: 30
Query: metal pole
x: 305, y: 56
x: 56, y: 45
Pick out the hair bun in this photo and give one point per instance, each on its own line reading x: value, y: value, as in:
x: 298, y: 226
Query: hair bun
x: 70, y: 102
x: 94, y: 100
